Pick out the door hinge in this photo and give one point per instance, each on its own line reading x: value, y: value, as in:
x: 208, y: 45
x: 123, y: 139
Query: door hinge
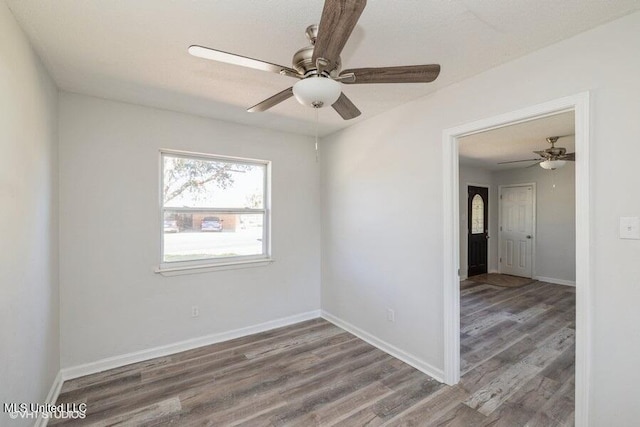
x: 501, y: 197
x: 501, y: 259
x: 500, y: 228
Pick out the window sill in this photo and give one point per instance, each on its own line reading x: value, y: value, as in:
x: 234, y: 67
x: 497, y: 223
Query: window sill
x: 207, y: 268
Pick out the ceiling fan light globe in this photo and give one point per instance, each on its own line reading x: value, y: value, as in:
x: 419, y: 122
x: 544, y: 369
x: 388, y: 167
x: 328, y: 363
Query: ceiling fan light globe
x: 552, y: 164
x: 317, y: 92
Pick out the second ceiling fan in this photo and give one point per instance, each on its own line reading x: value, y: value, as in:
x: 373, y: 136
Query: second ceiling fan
x: 550, y: 158
x: 318, y: 66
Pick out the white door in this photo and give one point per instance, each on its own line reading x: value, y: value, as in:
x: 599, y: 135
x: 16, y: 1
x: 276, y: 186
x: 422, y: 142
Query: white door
x: 516, y: 230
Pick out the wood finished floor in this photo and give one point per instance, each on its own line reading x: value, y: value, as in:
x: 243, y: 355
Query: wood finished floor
x: 517, y: 359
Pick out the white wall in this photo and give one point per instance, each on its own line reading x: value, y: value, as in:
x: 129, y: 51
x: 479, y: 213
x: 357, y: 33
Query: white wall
x: 555, y: 215
x: 390, y: 167
x: 112, y: 301
x: 555, y: 238
x: 29, y: 341
x: 469, y: 175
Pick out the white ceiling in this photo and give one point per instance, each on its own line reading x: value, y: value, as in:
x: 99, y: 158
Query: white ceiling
x: 516, y: 142
x: 136, y: 51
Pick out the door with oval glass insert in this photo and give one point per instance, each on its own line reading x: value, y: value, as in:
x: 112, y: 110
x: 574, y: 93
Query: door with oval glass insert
x: 478, y: 228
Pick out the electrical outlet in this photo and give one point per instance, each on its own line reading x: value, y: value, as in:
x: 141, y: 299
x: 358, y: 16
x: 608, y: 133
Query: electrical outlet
x: 391, y: 315
x: 195, y: 311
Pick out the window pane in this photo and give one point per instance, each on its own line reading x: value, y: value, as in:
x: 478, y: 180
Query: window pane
x: 205, y: 183
x: 477, y: 215
x: 206, y: 235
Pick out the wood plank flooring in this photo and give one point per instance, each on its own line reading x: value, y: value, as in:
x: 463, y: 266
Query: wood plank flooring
x: 517, y: 364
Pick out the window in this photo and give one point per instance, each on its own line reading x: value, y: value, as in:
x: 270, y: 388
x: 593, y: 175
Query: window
x: 477, y: 215
x: 214, y: 209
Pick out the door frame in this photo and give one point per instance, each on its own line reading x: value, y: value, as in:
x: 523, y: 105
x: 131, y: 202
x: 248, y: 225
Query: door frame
x: 488, y: 187
x: 533, y: 230
x: 580, y: 104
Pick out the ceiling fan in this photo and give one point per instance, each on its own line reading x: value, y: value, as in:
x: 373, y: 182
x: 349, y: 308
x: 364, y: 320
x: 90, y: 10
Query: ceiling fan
x: 318, y: 66
x: 551, y: 158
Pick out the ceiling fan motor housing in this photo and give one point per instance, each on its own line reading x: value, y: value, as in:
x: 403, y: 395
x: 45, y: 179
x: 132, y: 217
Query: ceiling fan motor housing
x: 303, y: 59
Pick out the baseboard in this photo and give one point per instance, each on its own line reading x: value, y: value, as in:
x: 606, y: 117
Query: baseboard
x: 54, y: 391
x: 165, y: 350
x: 555, y: 281
x: 465, y: 277
x: 407, y: 358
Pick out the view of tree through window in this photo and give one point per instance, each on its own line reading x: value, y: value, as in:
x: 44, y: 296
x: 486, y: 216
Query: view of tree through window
x: 213, y: 209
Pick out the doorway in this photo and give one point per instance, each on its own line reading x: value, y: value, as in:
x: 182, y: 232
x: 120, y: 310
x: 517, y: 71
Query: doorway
x: 478, y: 230
x: 516, y: 232
x: 579, y: 104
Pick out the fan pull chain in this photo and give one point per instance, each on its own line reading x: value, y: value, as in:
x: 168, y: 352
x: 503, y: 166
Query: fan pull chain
x: 316, y: 110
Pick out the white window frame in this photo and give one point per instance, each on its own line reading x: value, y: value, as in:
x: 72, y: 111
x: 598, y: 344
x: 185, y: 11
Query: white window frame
x: 211, y: 264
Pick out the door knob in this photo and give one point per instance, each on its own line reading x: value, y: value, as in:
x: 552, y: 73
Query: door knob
x: 529, y: 236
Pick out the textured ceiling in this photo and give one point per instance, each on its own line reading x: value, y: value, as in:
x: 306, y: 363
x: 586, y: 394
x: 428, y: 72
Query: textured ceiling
x: 136, y: 51
x: 516, y: 142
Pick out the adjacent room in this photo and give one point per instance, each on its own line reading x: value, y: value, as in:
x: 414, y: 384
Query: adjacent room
x: 517, y: 267
x: 319, y: 212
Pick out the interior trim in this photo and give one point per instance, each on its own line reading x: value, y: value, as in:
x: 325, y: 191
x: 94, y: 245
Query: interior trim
x: 166, y: 350
x: 390, y: 349
x: 51, y: 399
x: 555, y: 281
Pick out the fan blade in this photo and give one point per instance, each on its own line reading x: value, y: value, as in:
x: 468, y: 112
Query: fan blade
x: 402, y: 74
x: 571, y: 157
x: 535, y: 164
x: 272, y: 101
x: 345, y: 107
x: 339, y: 17
x: 243, y: 61
x: 518, y: 161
